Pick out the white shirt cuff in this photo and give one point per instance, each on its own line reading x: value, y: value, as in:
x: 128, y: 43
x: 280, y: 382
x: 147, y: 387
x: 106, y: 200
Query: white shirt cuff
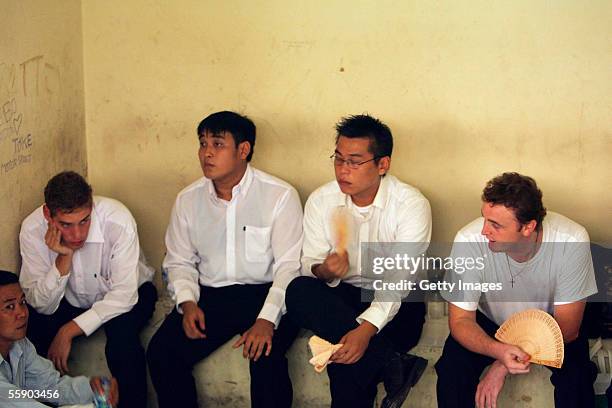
x: 184, y: 295
x: 53, y: 279
x: 88, y: 321
x: 375, y: 316
x: 271, y: 313
x: 470, y: 306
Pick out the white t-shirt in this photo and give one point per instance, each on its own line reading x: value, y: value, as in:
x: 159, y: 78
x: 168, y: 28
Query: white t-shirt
x: 560, y: 272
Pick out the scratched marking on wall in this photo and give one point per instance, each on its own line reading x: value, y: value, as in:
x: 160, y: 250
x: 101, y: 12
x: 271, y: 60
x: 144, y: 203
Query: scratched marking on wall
x: 10, y: 120
x: 31, y: 78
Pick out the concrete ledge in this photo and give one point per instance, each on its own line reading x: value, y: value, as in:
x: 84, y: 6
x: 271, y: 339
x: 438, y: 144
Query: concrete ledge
x: 223, y: 378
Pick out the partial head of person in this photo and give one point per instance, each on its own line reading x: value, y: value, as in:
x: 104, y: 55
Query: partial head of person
x: 513, y: 211
x: 227, y: 140
x: 68, y: 206
x: 362, y: 157
x: 13, y: 311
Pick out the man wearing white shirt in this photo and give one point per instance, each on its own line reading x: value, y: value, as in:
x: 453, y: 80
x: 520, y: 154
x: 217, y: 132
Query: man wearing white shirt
x: 82, y: 268
x: 329, y: 300
x: 540, y: 260
x: 233, y: 245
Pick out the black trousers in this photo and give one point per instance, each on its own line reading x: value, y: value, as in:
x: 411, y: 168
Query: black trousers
x: 330, y: 313
x: 125, y: 355
x: 459, y: 373
x: 228, y: 311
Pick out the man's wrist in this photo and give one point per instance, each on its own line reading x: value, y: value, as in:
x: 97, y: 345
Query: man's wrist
x: 368, y: 328
x: 71, y: 330
x: 500, y: 366
x: 63, y: 263
x: 320, y: 272
x: 187, y: 305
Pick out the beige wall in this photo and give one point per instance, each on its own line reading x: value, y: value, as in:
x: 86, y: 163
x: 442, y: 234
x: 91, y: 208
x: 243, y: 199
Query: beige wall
x: 470, y: 89
x: 42, y: 124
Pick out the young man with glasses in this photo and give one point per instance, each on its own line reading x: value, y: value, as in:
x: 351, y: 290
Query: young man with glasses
x: 328, y: 300
x: 233, y: 245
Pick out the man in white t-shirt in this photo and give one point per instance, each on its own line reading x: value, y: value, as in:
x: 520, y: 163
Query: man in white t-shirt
x: 334, y: 299
x: 233, y: 244
x: 523, y: 258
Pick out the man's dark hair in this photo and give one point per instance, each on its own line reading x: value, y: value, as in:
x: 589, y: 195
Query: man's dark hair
x: 518, y: 192
x: 366, y: 126
x: 8, y: 278
x: 66, y: 192
x: 241, y: 127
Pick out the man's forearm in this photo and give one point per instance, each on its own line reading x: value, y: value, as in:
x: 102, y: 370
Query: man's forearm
x: 63, y: 264
x: 71, y: 329
x: 471, y: 336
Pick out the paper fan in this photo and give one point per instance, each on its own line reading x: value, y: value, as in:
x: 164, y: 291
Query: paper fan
x: 321, y: 351
x: 537, y: 334
x: 340, y: 224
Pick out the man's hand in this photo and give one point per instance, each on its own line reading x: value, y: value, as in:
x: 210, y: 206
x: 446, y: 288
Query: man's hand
x: 335, y: 266
x: 490, y: 386
x: 113, y: 393
x: 355, y: 344
x: 513, y: 358
x: 53, y: 240
x: 193, y: 320
x: 255, y: 339
x: 59, y: 350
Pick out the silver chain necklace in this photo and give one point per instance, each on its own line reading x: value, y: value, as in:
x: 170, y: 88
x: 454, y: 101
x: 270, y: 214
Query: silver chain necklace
x: 531, y: 253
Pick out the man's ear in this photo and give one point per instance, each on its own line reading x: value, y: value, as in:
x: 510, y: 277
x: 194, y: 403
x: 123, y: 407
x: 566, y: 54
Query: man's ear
x: 384, y: 163
x: 47, y: 213
x: 244, y: 148
x: 529, y: 228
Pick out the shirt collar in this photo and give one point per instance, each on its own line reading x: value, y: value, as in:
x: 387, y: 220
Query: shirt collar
x: 15, y: 353
x: 380, y: 200
x: 95, y: 230
x: 239, y: 189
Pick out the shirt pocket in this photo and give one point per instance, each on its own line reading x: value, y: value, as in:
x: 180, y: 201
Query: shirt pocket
x: 257, y: 244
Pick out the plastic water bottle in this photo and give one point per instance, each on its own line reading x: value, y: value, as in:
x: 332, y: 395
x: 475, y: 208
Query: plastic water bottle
x: 101, y: 400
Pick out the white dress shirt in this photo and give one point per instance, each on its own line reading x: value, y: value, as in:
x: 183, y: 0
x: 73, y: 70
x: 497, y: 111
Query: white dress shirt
x: 105, y: 274
x: 399, y: 213
x: 254, y: 238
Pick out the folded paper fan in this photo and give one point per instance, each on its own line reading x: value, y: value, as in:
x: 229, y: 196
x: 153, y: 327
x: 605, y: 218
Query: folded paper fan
x: 321, y: 352
x: 537, y: 334
x: 340, y: 221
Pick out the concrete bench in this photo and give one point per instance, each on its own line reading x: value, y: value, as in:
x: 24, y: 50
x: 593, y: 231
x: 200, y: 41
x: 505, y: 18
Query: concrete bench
x: 223, y: 378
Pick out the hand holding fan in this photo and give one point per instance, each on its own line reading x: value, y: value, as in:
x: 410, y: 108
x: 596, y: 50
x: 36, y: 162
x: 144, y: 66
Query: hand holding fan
x: 340, y: 228
x: 537, y: 334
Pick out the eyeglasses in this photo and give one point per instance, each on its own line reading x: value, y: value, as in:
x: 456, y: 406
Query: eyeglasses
x: 339, y: 161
